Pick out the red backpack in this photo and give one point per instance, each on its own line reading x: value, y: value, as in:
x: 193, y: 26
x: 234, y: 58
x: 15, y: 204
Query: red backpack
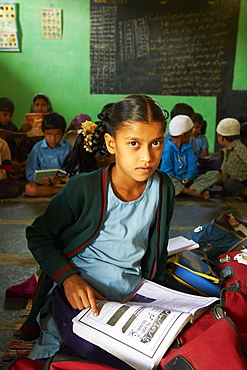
x: 56, y: 362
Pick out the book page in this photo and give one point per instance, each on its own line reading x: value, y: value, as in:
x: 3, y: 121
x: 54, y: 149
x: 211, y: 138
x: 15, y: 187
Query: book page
x: 179, y: 244
x: 144, y: 333
x: 152, y: 294
x: 140, y: 330
x: 41, y: 174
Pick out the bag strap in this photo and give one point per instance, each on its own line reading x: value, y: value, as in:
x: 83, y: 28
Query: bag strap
x: 238, y: 245
x: 234, y: 287
x: 230, y: 231
x: 214, y: 279
x: 186, y: 284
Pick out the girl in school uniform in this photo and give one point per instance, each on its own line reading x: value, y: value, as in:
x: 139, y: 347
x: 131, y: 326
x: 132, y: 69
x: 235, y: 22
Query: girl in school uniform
x: 105, y: 231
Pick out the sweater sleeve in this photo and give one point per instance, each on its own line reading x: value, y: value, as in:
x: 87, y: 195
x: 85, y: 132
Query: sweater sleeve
x: 44, y: 240
x: 167, y: 209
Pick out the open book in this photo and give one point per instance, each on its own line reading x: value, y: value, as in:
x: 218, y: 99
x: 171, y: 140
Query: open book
x: 5, y: 134
x: 41, y: 174
x: 180, y: 244
x: 35, y: 120
x: 140, y: 330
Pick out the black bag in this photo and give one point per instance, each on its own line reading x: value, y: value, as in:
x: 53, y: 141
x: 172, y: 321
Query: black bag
x: 222, y: 235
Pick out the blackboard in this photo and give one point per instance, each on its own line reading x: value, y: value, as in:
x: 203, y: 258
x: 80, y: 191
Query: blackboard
x: 173, y: 47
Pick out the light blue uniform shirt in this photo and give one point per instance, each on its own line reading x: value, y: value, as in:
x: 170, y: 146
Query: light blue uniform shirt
x: 42, y: 157
x: 112, y: 263
x: 202, y: 143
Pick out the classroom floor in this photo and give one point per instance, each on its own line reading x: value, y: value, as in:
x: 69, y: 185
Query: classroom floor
x: 17, y: 263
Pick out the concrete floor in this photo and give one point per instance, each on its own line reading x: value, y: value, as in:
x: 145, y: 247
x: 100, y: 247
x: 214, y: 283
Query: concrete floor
x: 17, y: 263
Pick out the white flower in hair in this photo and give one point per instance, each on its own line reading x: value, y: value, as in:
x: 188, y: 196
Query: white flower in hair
x: 87, y: 130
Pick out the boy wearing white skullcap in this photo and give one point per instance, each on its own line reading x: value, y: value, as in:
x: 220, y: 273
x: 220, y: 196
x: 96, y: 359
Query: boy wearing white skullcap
x: 179, y: 161
x: 234, y: 165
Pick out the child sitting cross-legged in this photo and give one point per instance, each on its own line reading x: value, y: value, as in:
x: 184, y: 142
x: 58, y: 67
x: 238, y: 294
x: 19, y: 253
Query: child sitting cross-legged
x: 47, y: 154
x: 104, y: 232
x: 179, y: 161
x: 234, y: 165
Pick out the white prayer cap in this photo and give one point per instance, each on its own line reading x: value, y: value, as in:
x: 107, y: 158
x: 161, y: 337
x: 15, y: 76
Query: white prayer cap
x: 180, y: 124
x: 228, y: 127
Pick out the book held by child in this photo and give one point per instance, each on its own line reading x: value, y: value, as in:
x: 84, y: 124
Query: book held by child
x: 41, y: 174
x: 141, y: 329
x: 35, y: 120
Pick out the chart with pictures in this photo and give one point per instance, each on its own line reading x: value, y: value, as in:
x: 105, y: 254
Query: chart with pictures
x: 51, y: 23
x: 8, y: 27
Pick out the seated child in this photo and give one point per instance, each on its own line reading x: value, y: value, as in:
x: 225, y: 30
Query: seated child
x: 6, y: 112
x: 76, y: 122
x: 234, y: 165
x: 8, y: 188
x: 104, y: 231
x: 205, y: 163
x: 19, y: 146
x: 75, y: 125
x: 198, y: 134
x: 41, y: 104
x: 187, y: 110
x: 48, y: 153
x: 179, y: 161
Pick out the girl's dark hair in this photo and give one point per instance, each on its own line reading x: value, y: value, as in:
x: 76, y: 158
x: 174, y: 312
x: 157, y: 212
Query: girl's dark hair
x: 141, y: 108
x: 53, y: 121
x: 197, y: 117
x: 78, y: 159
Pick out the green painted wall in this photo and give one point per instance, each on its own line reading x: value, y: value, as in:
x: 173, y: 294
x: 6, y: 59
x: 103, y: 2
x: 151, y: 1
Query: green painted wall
x: 61, y: 68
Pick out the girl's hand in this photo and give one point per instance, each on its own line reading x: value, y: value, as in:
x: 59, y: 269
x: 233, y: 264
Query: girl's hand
x: 81, y: 295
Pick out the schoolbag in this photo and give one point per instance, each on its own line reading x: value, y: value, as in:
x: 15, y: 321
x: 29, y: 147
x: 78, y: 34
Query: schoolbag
x: 234, y: 291
x: 208, y: 344
x: 189, y: 272
x: 56, y: 362
x: 222, y: 235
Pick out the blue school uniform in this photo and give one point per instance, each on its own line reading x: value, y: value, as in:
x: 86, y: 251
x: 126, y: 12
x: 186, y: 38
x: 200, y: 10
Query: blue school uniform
x: 42, y: 157
x: 179, y: 163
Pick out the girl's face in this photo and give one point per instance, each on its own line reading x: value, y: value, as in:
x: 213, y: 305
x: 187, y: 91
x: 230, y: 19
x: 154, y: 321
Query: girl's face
x: 196, y: 129
x: 40, y: 106
x: 137, y: 149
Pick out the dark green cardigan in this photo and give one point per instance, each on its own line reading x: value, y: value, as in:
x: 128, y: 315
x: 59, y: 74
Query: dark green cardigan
x: 72, y: 219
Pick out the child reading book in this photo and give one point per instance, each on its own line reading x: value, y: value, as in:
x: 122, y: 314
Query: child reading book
x: 47, y: 154
x: 18, y: 143
x: 106, y: 229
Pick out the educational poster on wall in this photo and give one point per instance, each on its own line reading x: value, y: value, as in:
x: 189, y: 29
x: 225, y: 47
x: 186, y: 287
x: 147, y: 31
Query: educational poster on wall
x: 8, y: 27
x: 51, y: 23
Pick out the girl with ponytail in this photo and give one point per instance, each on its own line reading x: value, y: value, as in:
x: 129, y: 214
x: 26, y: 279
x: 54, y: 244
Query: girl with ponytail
x: 105, y: 231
